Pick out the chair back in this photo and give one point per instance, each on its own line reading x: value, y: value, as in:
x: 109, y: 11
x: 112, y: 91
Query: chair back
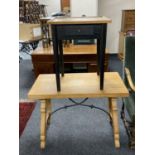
x: 129, y: 61
x: 29, y: 32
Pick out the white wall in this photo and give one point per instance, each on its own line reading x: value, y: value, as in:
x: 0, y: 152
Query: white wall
x: 52, y: 6
x: 84, y: 7
x: 112, y: 9
x: 43, y: 1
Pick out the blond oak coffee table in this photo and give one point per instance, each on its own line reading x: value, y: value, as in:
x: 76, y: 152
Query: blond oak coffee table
x: 77, y: 85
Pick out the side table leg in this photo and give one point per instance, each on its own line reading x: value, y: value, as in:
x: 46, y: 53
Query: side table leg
x: 43, y: 124
x: 56, y: 56
x: 114, y: 112
x: 61, y: 57
x: 98, y: 56
x: 102, y: 47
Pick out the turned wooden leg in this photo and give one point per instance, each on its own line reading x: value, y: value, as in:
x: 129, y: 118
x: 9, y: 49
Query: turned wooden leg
x: 43, y: 124
x: 114, y: 112
x: 48, y: 111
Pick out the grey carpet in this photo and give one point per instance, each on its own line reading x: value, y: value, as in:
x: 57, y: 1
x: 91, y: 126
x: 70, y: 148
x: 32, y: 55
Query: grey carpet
x: 26, y: 78
x: 75, y: 131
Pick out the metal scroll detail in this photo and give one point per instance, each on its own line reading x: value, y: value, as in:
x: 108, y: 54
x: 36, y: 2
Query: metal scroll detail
x: 81, y: 104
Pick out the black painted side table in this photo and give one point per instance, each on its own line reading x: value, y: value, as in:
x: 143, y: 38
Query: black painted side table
x: 79, y: 28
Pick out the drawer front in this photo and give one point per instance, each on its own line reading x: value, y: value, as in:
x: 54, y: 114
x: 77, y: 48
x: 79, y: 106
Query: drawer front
x: 78, y: 30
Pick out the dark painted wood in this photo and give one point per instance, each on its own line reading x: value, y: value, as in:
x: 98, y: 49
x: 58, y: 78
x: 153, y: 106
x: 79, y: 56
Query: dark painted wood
x: 79, y: 31
x: 102, y: 46
x: 56, y: 56
x: 61, y: 57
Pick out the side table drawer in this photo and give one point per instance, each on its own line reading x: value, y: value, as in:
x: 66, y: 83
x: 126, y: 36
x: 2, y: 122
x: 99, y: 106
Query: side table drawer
x: 77, y: 30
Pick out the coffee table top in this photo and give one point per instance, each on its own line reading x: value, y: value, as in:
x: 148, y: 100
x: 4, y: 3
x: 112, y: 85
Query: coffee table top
x: 78, y: 85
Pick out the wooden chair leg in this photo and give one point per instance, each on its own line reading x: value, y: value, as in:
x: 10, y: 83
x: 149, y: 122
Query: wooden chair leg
x: 43, y: 124
x: 114, y: 112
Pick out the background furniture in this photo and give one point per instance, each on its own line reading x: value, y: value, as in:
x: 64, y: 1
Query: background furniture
x: 29, y: 37
x: 128, y: 20
x: 65, y: 5
x: 46, y: 32
x: 78, y: 28
x: 45, y: 89
x: 77, y: 58
x: 29, y: 32
x: 31, y: 11
x: 127, y: 28
x: 129, y: 79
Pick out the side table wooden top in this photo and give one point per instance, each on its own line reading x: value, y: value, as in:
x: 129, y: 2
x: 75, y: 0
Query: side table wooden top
x: 79, y: 20
x: 78, y: 85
